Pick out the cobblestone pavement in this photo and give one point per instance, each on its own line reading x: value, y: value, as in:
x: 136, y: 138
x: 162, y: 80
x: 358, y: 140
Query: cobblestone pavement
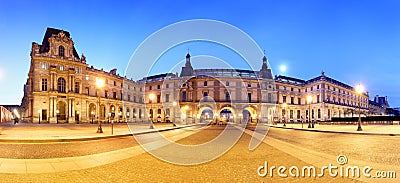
x: 72, y: 149
x: 67, y: 131
x: 368, y: 148
x: 237, y: 165
x: 63, y: 149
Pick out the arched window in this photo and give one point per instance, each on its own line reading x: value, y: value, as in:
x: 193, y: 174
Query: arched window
x: 61, y: 85
x: 61, y: 51
x: 128, y: 113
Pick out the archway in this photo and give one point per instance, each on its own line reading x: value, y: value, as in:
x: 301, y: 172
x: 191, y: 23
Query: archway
x: 151, y: 114
x: 249, y: 114
x: 61, y: 111
x: 206, y: 115
x: 92, y: 111
x: 112, y: 112
x: 226, y: 114
x: 120, y: 112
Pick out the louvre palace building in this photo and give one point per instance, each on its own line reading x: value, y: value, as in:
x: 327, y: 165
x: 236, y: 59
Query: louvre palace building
x: 62, y: 88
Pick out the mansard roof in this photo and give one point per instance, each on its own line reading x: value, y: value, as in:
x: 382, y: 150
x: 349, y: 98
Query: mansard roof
x: 45, y: 47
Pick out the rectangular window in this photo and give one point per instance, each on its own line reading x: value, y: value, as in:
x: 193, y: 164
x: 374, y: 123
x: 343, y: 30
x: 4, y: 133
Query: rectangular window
x: 167, y: 86
x: 115, y: 83
x: 248, y: 84
x: 249, y: 97
x: 227, y: 83
x: 44, y: 84
x: 158, y: 98
x: 158, y: 86
x: 205, y: 83
x: 61, y: 67
x: 299, y: 90
x: 44, y: 65
x: 129, y: 97
x: 227, y: 96
x: 114, y: 95
x: 269, y: 98
x: 299, y: 101
x: 77, y: 70
x: 166, y: 97
x: 106, y: 94
x: 291, y: 89
x: 291, y: 100
x: 134, y: 98
x: 150, y: 87
x: 298, y: 114
x: 317, y: 98
x: 311, y: 88
x: 284, y: 99
x: 76, y: 87
x: 291, y: 114
x: 184, y: 96
x: 317, y: 87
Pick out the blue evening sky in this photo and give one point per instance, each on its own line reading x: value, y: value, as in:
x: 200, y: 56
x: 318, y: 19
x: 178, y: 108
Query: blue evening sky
x: 351, y: 40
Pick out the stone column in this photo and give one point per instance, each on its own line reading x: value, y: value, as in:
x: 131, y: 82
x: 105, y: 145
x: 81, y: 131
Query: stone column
x: 53, y: 118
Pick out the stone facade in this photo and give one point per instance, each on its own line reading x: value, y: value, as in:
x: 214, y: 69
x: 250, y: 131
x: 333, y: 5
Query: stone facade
x: 61, y: 88
x: 330, y: 98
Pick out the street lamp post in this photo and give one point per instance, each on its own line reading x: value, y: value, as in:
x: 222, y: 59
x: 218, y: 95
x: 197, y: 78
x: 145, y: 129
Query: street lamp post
x: 39, y: 115
x: 99, y: 84
x: 151, y: 98
x: 173, y: 113
x: 359, y: 91
x: 309, y: 100
x: 284, y: 105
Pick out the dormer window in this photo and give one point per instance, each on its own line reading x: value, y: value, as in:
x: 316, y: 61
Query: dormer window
x: 61, y: 51
x: 61, y: 67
